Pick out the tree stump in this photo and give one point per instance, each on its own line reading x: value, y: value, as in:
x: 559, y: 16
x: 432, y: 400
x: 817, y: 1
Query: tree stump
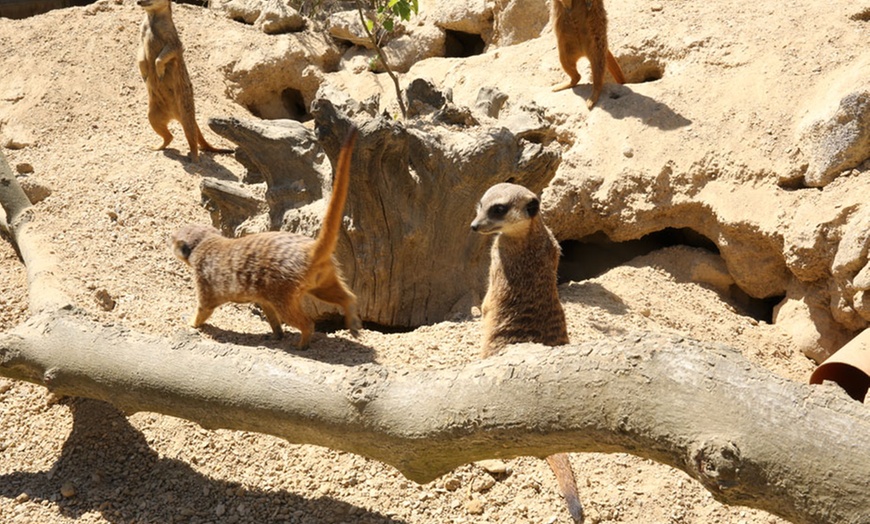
x: 406, y: 250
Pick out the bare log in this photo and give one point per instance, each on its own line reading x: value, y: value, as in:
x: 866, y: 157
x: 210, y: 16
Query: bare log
x: 750, y: 437
x: 44, y: 288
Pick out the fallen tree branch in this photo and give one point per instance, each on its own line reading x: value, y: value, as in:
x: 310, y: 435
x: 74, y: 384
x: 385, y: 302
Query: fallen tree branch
x: 44, y: 289
x: 751, y: 438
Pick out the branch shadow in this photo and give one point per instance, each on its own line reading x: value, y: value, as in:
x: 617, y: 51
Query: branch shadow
x: 116, y: 473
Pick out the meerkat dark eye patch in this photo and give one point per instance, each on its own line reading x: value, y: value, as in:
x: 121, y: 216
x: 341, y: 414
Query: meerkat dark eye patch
x: 533, y: 207
x: 497, y: 211
x: 185, y: 250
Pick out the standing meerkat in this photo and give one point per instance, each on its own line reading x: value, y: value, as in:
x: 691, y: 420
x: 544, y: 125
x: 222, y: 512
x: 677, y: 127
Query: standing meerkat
x: 581, y: 30
x: 170, y: 93
x: 522, y: 299
x: 273, y: 269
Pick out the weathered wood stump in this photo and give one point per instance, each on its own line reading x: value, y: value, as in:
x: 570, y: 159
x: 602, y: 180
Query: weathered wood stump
x: 407, y: 250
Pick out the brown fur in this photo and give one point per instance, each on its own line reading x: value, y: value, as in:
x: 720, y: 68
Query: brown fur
x: 522, y: 300
x: 581, y: 30
x: 273, y: 269
x: 170, y: 93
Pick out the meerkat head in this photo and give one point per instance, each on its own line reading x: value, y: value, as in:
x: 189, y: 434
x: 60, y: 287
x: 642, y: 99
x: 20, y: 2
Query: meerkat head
x: 185, y: 240
x: 507, y: 209
x: 154, y: 5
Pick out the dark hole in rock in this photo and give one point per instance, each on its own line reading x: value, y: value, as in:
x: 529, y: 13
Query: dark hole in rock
x: 20, y: 9
x: 597, y: 254
x: 290, y: 104
x: 462, y: 45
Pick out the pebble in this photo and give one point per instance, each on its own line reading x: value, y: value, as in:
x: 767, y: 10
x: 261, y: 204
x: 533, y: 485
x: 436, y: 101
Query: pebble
x: 496, y: 467
x: 474, y: 506
x: 24, y: 168
x: 67, y: 490
x: 104, y: 300
x: 628, y: 152
x: 219, y: 510
x: 452, y: 484
x: 657, y: 7
x: 482, y: 483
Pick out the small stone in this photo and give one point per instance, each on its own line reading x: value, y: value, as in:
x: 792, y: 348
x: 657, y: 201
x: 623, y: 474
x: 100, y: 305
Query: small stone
x: 482, y: 483
x: 219, y: 510
x: 23, y: 497
x: 474, y: 506
x: 628, y: 152
x: 24, y: 168
x: 657, y: 7
x: 112, y: 214
x: 104, y: 300
x: 496, y: 467
x: 67, y: 490
x: 452, y: 483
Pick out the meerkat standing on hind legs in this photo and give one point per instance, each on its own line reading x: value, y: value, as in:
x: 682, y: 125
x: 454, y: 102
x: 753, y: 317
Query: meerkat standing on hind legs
x: 170, y: 92
x: 273, y: 269
x: 522, y: 299
x: 581, y: 30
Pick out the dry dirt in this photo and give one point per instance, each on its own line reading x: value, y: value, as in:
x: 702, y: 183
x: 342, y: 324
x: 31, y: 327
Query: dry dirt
x: 70, y: 91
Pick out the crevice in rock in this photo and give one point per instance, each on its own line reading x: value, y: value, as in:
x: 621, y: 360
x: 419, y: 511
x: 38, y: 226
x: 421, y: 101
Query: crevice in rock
x: 462, y: 45
x: 594, y: 255
x: 290, y: 104
x: 639, y: 69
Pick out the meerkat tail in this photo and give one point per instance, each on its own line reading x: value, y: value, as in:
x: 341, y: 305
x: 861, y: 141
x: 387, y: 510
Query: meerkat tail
x: 205, y: 146
x: 561, y: 466
x: 326, y: 240
x: 614, y: 68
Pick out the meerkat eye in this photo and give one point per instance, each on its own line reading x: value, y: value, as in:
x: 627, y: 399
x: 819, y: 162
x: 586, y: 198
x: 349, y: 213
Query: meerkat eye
x: 185, y: 250
x: 497, y: 212
x: 532, y: 207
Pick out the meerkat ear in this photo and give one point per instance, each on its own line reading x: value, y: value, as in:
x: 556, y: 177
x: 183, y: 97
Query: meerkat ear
x: 532, y: 207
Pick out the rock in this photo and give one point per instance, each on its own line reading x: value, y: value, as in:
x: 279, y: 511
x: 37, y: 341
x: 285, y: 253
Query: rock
x: 482, y: 483
x: 279, y: 80
x: 35, y: 191
x: 424, y: 97
x: 104, y: 300
x: 68, y: 490
x: 452, y: 483
x: 489, y: 101
x: 475, y: 18
x: 474, y: 506
x: 835, y: 135
x: 347, y: 26
x: 517, y: 21
x: 270, y: 16
x: 805, y: 314
x: 24, y: 168
x: 495, y: 467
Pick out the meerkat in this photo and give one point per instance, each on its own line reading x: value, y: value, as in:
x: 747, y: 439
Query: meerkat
x: 522, y: 300
x: 170, y: 92
x: 273, y: 269
x: 581, y: 30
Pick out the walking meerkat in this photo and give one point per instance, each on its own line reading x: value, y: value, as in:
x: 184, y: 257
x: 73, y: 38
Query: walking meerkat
x: 581, y: 30
x: 273, y: 269
x: 522, y: 299
x: 170, y: 93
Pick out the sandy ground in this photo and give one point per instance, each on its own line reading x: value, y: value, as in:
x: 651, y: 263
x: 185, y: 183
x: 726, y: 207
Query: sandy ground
x: 70, y: 91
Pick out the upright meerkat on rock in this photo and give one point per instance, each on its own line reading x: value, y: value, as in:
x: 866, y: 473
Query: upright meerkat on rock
x: 581, y: 30
x: 170, y: 93
x: 273, y: 269
x: 522, y: 300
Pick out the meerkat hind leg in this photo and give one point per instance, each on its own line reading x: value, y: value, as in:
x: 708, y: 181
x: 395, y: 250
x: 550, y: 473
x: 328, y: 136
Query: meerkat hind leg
x: 159, y: 123
x: 274, y: 319
x: 335, y: 292
x: 294, y: 316
x: 202, y: 314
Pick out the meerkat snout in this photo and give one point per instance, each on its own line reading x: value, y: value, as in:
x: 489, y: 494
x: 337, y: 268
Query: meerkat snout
x: 506, y: 209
